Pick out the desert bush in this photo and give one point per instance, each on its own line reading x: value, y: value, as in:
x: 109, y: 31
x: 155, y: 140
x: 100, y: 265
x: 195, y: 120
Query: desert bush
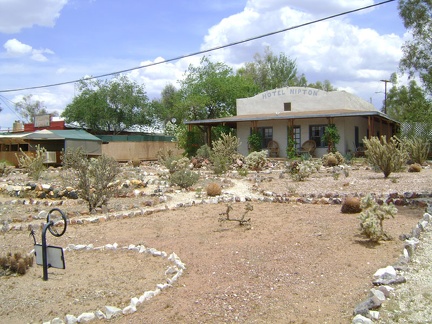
x: 214, y: 189
x: 173, y: 162
x: 184, y: 178
x: 72, y: 158
x: 372, y: 218
x: 256, y: 160
x: 417, y: 148
x: 415, y: 167
x: 34, y: 164
x: 351, y: 205
x: 93, y: 179
x: 136, y: 162
x: 299, y: 171
x: 204, y: 152
x: 15, y: 263
x: 386, y: 155
x: 333, y: 159
x: 5, y: 168
x: 224, y: 152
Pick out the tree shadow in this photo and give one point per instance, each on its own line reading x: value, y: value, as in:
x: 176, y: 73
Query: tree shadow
x: 363, y: 241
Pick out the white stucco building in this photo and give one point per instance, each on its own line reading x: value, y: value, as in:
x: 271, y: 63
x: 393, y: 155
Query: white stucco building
x: 304, y: 113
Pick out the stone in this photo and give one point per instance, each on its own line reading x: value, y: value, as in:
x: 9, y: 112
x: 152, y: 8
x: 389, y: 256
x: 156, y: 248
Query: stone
x: 86, y: 317
x: 70, y: 319
x: 100, y: 315
x: 129, y: 310
x: 57, y: 321
x: 378, y: 294
x: 360, y: 319
x: 387, y: 272
x: 112, y: 311
x: 366, y: 305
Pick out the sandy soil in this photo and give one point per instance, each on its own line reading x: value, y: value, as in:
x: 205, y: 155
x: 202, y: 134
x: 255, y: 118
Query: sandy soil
x: 298, y: 263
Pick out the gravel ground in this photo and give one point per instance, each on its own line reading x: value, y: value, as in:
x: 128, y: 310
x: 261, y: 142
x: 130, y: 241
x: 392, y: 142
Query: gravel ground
x: 410, y: 302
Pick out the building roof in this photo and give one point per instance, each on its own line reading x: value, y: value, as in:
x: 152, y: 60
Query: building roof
x: 73, y: 134
x: 232, y: 121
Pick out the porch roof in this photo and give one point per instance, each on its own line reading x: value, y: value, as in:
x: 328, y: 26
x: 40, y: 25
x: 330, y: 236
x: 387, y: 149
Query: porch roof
x: 232, y: 121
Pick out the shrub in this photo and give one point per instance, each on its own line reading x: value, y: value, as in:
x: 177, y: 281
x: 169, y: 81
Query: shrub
x: 34, y: 164
x: 15, y: 263
x: 136, y: 163
x: 415, y: 167
x: 93, y: 178
x: 417, y: 148
x: 204, y: 152
x: 226, y: 146
x: 256, y: 160
x: 299, y: 171
x: 372, y: 218
x: 5, y: 168
x: 184, y: 178
x: 351, y: 205
x: 331, y: 137
x: 333, y: 159
x: 255, y: 142
x: 385, y: 155
x: 214, y: 189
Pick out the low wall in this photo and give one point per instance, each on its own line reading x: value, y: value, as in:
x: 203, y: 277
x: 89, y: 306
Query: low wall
x: 144, y: 151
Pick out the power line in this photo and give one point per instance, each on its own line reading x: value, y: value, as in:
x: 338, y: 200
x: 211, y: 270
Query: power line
x: 203, y: 51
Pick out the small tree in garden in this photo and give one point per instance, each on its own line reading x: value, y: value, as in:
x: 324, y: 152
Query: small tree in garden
x: 255, y: 142
x: 387, y: 155
x: 373, y: 216
x: 224, y: 151
x: 331, y: 137
x: 417, y: 148
x: 93, y: 176
x: 34, y: 164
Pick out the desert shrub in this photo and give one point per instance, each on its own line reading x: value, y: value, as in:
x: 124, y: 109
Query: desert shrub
x: 93, y: 178
x: 5, y: 168
x: 173, y: 162
x: 351, y: 205
x: 332, y: 159
x: 136, y: 162
x: 34, y: 164
x: 15, y: 263
x: 255, y: 142
x: 417, y: 148
x: 72, y: 158
x: 415, y: 167
x: 184, y: 178
x: 256, y: 160
x: 299, y: 171
x: 372, y: 218
x: 224, y: 152
x: 214, y: 189
x: 204, y: 152
x: 386, y: 155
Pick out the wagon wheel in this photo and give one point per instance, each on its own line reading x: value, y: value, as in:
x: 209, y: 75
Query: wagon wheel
x: 54, y: 217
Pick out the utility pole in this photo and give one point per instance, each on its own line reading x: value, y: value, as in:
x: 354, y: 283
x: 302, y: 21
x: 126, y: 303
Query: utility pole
x: 385, y: 94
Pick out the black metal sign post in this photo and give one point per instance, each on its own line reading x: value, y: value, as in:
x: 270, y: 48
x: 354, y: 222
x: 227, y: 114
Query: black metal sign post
x: 51, y: 256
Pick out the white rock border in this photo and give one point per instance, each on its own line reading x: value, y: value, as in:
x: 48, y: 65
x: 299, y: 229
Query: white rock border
x: 172, y: 274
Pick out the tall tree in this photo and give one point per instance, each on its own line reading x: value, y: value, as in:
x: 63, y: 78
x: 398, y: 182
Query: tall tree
x: 270, y: 71
x: 109, y: 106
x: 28, y: 108
x: 210, y: 90
x: 409, y: 104
x: 417, y: 52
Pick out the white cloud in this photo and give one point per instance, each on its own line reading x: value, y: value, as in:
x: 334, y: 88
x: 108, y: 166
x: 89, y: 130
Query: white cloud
x: 351, y: 57
x: 14, y: 48
x: 18, y: 14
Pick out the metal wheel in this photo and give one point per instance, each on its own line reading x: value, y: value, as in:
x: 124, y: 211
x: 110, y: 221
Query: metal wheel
x: 54, y: 217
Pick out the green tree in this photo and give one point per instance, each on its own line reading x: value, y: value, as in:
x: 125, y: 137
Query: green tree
x: 409, y: 103
x: 28, y: 108
x: 269, y: 71
x: 169, y: 108
x: 109, y: 106
x: 417, y: 52
x: 210, y: 90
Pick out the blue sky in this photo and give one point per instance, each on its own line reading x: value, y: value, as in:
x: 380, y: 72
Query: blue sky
x: 50, y: 41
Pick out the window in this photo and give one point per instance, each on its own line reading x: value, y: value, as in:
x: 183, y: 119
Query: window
x: 287, y: 106
x: 316, y: 133
x: 266, y: 135
x: 296, y: 136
